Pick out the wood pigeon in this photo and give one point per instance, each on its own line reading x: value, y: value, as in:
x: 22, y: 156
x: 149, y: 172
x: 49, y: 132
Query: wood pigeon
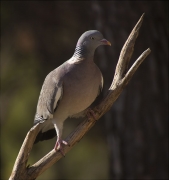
x: 69, y: 89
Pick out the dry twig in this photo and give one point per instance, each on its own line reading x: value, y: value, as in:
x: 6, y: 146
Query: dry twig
x: 121, y: 78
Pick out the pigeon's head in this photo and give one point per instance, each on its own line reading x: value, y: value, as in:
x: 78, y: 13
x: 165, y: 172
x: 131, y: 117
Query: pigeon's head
x: 92, y: 39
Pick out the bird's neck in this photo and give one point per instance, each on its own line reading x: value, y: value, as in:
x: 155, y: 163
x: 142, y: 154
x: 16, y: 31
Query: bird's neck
x: 82, y: 52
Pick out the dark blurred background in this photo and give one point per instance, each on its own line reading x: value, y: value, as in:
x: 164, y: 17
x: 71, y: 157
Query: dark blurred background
x: 131, y: 141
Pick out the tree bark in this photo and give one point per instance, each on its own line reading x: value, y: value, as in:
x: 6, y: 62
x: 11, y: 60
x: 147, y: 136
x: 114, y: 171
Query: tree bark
x: 121, y: 78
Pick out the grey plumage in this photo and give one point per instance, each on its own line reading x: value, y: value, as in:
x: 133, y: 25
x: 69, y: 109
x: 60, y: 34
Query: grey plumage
x: 70, y: 89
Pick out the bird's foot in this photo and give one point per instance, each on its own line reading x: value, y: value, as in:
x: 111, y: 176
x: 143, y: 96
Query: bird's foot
x: 59, y: 146
x: 91, y: 113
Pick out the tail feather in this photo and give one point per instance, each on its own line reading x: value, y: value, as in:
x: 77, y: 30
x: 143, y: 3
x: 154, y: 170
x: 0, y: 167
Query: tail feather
x: 45, y: 135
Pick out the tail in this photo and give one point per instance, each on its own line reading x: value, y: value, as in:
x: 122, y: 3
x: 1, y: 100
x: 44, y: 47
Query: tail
x: 45, y: 135
x: 47, y: 132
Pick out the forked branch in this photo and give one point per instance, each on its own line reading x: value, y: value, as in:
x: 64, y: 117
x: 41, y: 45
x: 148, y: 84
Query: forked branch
x: 121, y: 78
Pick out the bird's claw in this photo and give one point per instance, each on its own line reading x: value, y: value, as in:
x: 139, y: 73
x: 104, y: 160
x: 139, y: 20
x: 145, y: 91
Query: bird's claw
x: 91, y: 113
x: 59, y: 146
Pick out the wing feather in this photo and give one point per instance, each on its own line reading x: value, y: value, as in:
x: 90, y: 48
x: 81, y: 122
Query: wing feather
x: 51, y: 93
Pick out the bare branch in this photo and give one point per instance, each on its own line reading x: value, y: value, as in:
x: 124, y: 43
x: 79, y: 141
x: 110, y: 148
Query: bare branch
x: 21, y: 160
x: 135, y: 66
x: 53, y: 156
x: 115, y: 90
x: 127, y: 51
x: 121, y: 79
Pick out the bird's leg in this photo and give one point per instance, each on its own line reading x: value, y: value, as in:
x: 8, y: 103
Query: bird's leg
x: 59, y: 142
x: 59, y: 146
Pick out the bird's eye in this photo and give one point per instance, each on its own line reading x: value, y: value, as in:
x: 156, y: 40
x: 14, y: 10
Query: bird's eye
x: 92, y: 38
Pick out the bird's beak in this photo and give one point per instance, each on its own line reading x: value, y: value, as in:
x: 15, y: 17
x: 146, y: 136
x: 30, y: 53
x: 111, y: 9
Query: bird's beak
x: 105, y: 42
